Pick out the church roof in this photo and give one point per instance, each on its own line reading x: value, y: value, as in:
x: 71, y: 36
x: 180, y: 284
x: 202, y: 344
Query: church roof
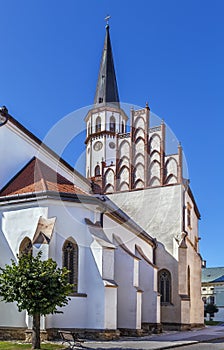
x: 107, y: 90
x: 36, y: 176
x: 212, y: 275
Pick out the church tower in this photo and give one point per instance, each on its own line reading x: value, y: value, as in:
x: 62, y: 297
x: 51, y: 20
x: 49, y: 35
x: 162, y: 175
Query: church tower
x: 117, y: 160
x: 104, y: 120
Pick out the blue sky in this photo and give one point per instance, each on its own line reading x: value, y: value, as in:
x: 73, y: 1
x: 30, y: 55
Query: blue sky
x: 169, y: 53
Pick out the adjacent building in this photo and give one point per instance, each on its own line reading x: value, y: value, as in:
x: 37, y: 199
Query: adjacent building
x: 212, y: 290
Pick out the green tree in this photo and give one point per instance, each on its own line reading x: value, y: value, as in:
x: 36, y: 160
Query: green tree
x: 37, y: 286
x: 211, y: 309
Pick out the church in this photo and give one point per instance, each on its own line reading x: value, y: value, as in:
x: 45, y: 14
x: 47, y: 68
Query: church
x: 127, y: 232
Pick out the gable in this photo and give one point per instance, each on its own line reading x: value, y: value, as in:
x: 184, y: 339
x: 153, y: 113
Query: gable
x: 36, y: 176
x: 18, y: 145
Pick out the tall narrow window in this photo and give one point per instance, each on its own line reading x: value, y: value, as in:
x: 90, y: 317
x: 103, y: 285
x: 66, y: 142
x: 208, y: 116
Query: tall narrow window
x: 188, y: 281
x: 188, y: 215
x: 97, y: 170
x: 112, y: 124
x: 122, y: 128
x: 26, y: 247
x: 70, y: 261
x: 164, y: 286
x: 98, y: 124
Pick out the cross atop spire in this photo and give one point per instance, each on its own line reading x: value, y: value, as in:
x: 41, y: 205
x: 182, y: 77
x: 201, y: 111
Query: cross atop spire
x: 107, y: 20
x: 107, y: 90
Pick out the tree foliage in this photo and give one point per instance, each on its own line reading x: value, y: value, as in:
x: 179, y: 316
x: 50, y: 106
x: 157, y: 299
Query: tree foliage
x: 38, y: 286
x: 211, y: 309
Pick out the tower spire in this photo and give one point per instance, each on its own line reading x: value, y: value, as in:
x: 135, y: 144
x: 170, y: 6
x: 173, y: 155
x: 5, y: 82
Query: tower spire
x: 106, y: 89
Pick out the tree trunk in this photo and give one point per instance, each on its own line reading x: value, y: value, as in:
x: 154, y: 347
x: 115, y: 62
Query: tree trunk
x: 36, y: 332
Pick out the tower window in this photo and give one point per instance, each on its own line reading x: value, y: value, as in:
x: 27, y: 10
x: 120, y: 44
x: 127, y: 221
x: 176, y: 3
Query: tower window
x: 97, y: 170
x: 164, y: 286
x: 122, y: 127
x: 70, y: 261
x: 112, y: 124
x: 98, y: 124
x: 188, y: 215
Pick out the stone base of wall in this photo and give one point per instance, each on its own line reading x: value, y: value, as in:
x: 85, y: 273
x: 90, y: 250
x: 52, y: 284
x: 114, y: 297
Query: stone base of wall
x: 25, y: 334
x: 128, y: 332
x: 90, y: 334
x: 28, y: 335
x: 181, y: 326
x: 149, y: 328
x: 12, y: 333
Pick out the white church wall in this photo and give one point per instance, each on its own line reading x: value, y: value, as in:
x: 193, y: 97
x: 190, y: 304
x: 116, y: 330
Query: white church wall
x: 108, y: 263
x: 126, y: 292
x: 157, y: 210
x: 83, y: 311
x: 110, y: 308
x: 149, y: 296
x: 129, y: 238
x: 133, y: 273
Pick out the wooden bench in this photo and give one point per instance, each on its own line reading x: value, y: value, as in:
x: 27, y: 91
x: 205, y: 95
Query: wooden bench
x: 70, y: 338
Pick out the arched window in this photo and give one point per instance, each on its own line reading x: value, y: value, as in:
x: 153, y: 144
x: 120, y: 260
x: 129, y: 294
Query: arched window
x: 26, y: 247
x: 122, y: 128
x: 164, y: 286
x: 98, y: 124
x: 70, y: 261
x: 112, y: 124
x: 97, y: 170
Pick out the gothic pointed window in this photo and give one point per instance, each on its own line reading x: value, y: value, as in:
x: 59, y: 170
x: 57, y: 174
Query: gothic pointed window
x: 26, y: 247
x: 70, y: 261
x: 112, y: 124
x: 164, y: 286
x: 97, y: 170
x: 98, y: 124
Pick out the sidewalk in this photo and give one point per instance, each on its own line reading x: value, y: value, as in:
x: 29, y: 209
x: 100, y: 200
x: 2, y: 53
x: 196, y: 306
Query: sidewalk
x: 165, y: 340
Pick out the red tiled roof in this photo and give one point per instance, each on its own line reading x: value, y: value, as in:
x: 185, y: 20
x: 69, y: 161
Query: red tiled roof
x: 36, y: 176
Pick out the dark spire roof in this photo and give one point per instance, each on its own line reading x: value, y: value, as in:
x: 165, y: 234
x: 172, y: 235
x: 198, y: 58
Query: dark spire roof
x: 106, y: 90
